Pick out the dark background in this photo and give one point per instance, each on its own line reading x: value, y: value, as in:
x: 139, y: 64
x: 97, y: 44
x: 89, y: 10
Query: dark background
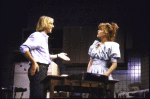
x: 16, y: 15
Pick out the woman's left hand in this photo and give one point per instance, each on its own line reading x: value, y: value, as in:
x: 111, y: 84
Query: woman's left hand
x: 64, y: 56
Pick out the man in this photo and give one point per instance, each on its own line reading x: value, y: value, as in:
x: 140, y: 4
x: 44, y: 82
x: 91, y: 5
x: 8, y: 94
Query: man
x: 35, y: 49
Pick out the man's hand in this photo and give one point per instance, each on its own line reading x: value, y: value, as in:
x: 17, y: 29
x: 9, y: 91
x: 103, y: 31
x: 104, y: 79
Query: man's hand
x: 64, y: 56
x: 34, y: 68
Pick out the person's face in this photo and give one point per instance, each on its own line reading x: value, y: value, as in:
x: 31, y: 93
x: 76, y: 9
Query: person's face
x: 101, y: 33
x: 50, y: 26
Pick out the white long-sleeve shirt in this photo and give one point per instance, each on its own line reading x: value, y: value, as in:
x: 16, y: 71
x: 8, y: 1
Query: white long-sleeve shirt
x: 37, y: 44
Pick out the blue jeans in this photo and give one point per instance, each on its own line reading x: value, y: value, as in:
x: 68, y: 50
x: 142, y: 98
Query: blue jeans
x: 36, y: 88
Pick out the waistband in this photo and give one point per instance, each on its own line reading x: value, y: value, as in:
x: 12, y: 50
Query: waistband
x: 99, y: 62
x: 99, y: 66
x: 43, y: 64
x: 40, y: 64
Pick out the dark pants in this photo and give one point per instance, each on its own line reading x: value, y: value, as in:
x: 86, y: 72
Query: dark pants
x: 36, y: 89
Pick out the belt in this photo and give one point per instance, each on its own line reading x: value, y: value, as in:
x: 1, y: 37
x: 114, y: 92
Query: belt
x: 40, y: 64
x: 43, y: 64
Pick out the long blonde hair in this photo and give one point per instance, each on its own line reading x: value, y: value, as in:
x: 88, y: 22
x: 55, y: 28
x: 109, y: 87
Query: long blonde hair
x: 42, y: 23
x: 109, y: 29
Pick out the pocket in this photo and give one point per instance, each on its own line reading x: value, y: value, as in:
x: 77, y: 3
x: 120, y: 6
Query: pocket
x: 29, y: 74
x: 29, y: 70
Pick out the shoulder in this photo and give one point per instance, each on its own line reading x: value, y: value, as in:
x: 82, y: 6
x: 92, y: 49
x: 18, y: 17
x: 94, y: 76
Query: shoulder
x: 94, y: 45
x: 36, y: 35
x: 115, y: 50
x: 96, y: 42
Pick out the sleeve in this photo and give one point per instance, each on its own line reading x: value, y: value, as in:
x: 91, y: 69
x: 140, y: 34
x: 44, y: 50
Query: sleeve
x: 31, y: 43
x: 115, y: 52
x: 91, y: 58
x: 94, y: 45
x: 23, y: 49
x: 90, y: 52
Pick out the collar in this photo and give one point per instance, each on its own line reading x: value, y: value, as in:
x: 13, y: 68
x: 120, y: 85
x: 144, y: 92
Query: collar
x: 44, y: 34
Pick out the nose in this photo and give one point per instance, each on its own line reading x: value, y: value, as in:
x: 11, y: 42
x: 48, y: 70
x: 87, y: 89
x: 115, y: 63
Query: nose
x: 53, y: 26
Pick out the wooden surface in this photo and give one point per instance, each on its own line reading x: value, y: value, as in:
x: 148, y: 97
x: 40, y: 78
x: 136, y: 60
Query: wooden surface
x: 61, y: 83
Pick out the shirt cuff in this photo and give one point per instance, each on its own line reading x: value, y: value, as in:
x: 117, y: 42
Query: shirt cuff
x: 91, y: 58
x: 23, y: 49
x: 113, y: 60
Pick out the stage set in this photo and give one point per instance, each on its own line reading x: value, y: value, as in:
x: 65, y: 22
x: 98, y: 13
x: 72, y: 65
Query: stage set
x: 70, y: 79
x: 80, y: 85
x: 73, y: 28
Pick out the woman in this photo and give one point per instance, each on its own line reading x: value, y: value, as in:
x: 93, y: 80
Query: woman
x: 101, y: 53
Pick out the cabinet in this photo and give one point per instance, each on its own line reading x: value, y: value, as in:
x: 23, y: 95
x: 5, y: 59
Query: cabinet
x: 21, y: 78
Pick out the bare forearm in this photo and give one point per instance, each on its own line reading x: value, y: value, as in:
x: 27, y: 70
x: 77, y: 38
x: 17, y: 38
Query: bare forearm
x: 61, y: 55
x: 54, y: 56
x: 27, y: 54
x: 111, y: 69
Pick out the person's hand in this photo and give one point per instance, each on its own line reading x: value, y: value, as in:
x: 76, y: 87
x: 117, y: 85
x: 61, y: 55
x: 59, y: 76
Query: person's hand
x: 33, y: 69
x: 64, y: 56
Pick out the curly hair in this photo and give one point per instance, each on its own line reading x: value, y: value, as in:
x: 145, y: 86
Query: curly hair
x: 42, y: 23
x: 109, y: 29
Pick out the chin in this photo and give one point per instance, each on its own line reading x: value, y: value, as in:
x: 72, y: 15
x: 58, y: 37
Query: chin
x: 98, y: 37
x: 50, y: 31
